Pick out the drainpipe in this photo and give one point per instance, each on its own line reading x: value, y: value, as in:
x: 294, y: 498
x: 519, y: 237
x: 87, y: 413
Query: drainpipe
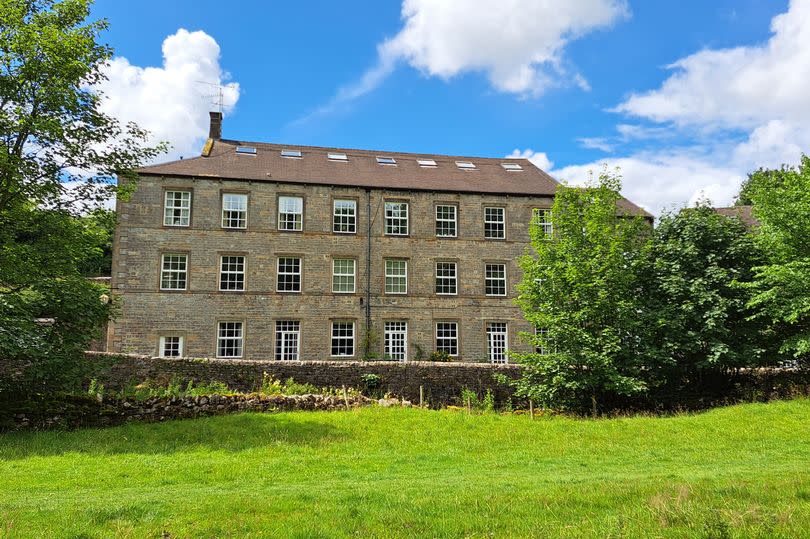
x: 368, y: 268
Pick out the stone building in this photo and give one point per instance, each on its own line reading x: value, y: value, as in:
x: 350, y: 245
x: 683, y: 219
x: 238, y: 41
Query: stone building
x: 264, y: 251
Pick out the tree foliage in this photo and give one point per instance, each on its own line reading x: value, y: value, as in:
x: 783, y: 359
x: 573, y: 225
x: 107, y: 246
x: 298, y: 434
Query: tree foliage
x: 52, y: 130
x: 781, y: 200
x: 581, y: 284
x: 60, y: 154
x: 696, y: 299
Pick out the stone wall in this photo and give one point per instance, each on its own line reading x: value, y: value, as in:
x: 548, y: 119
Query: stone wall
x: 442, y: 382
x: 82, y: 411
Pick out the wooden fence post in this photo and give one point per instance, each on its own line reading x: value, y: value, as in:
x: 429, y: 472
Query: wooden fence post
x: 421, y: 396
x: 531, y: 408
x: 345, y: 396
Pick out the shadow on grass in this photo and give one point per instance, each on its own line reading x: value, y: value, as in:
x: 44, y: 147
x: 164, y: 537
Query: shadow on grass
x: 230, y: 433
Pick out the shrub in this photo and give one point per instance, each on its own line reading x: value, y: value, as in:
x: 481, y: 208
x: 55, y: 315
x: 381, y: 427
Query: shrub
x: 439, y: 355
x: 371, y: 385
x: 470, y: 398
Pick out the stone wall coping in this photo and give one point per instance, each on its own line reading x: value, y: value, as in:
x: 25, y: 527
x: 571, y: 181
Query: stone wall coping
x: 332, y: 363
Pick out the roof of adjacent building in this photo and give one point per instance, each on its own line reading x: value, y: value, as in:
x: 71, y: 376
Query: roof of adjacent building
x: 360, y: 169
x: 745, y: 213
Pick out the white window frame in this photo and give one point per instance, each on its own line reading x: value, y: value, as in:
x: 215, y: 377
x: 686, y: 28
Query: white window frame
x: 448, y: 281
x: 173, y: 272
x: 292, y: 220
x: 444, y: 337
x: 542, y: 218
x: 180, y: 212
x: 279, y: 273
x: 539, y: 348
x: 490, y: 222
x: 340, y: 220
x: 336, y: 275
x: 487, y: 279
x: 389, y: 275
x: 284, y: 330
x: 398, y: 329
x: 338, y: 340
x: 233, y: 272
x: 162, y: 345
x: 393, y: 223
x: 497, y: 354
x: 444, y: 220
x: 238, y: 343
x: 228, y: 208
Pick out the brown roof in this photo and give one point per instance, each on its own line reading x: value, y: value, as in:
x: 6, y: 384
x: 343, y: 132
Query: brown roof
x: 362, y: 170
x: 745, y: 213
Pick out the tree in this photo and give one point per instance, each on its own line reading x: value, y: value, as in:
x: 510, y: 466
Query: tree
x: 52, y: 131
x: 99, y: 226
x: 580, y: 289
x: 699, y: 262
x: 781, y: 200
x: 59, y: 155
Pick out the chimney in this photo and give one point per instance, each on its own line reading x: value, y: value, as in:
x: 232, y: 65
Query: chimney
x: 215, y: 131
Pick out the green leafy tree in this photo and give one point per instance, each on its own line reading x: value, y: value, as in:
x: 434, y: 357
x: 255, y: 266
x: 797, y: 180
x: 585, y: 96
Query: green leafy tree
x: 781, y: 200
x: 696, y: 300
x: 59, y: 155
x: 580, y: 285
x: 99, y: 226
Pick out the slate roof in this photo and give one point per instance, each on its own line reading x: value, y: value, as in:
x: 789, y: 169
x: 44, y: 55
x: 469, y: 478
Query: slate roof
x: 361, y: 169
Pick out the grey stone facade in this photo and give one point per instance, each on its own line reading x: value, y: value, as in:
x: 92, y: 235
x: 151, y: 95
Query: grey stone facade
x: 147, y: 313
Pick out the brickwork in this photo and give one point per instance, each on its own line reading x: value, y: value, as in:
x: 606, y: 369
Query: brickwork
x: 148, y: 313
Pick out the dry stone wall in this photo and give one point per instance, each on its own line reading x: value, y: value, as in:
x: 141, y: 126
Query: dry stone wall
x: 441, y: 382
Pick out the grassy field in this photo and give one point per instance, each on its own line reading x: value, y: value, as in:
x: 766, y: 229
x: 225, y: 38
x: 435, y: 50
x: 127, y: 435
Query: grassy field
x: 742, y: 471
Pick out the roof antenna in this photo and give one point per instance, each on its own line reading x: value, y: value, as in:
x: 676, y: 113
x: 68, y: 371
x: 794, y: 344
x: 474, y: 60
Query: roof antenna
x: 218, y: 98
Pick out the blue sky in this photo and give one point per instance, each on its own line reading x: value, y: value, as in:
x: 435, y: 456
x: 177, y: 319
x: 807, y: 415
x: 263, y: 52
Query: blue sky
x: 572, y: 85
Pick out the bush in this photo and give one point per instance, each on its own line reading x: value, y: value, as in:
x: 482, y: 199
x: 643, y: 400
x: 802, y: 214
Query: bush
x: 371, y: 385
x: 175, y: 388
x: 439, y: 355
x: 470, y: 398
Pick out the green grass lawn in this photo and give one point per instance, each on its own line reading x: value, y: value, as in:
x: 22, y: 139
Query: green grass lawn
x: 742, y: 471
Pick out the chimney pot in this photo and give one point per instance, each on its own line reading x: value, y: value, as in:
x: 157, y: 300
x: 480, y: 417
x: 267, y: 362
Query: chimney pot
x: 215, y: 130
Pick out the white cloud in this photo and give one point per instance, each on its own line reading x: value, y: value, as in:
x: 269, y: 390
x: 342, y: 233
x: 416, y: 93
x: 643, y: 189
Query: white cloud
x: 171, y: 101
x: 657, y: 181
x: 714, y: 95
x: 741, y: 87
x: 596, y: 143
x: 540, y: 159
x: 517, y: 44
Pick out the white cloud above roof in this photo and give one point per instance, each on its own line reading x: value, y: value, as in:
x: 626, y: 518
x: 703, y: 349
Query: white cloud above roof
x: 734, y: 110
x: 171, y: 101
x: 518, y: 44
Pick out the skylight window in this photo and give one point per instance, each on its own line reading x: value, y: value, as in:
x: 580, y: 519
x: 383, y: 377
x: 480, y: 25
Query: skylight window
x: 248, y: 150
x: 511, y: 166
x: 467, y: 165
x: 386, y: 160
x: 429, y: 163
x: 337, y: 156
x: 291, y: 153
